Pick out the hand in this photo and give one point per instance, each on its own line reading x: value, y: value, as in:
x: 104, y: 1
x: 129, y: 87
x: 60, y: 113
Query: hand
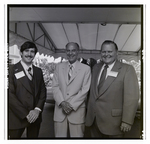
x: 67, y: 108
x: 33, y: 115
x: 125, y: 127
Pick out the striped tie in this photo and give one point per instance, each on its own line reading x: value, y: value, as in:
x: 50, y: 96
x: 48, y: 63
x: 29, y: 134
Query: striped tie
x: 70, y: 72
x: 30, y: 74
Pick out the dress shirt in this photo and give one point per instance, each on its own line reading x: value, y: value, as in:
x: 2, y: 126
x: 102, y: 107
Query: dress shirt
x: 73, y: 66
x: 108, y: 70
x: 25, y: 67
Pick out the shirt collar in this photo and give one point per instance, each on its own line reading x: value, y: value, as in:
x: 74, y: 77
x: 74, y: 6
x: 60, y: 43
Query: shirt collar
x: 26, y: 67
x: 110, y: 66
x: 74, y: 64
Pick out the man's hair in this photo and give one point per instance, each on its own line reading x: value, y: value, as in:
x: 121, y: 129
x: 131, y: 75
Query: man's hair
x: 28, y: 45
x: 73, y: 43
x: 110, y: 42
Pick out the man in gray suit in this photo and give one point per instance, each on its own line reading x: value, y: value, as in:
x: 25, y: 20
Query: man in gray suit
x: 71, y: 82
x: 114, y: 95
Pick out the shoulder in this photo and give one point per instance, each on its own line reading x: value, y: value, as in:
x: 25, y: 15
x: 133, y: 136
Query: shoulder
x: 62, y: 64
x: 97, y: 66
x: 14, y: 66
x: 37, y: 69
x: 127, y: 66
x: 83, y: 66
x: 59, y: 66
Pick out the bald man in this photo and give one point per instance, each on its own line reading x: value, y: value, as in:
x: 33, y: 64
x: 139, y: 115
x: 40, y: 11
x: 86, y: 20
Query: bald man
x: 70, y: 85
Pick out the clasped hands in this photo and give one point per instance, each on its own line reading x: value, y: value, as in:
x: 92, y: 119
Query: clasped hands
x: 125, y: 127
x: 33, y: 115
x: 66, y: 106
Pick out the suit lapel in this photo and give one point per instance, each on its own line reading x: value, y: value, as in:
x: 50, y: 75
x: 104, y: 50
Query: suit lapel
x: 110, y: 79
x: 65, y: 73
x: 24, y: 80
x: 75, y: 73
x: 35, y: 76
x: 95, y: 76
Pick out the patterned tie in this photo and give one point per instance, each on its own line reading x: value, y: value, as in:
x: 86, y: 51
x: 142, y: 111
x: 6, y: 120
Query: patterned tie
x: 70, y: 72
x: 102, y: 78
x: 30, y: 73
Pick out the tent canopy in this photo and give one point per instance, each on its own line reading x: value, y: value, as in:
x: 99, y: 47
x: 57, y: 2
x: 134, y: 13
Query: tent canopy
x: 52, y: 27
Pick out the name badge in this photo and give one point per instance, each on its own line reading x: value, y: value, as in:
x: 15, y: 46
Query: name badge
x: 19, y: 75
x: 113, y: 74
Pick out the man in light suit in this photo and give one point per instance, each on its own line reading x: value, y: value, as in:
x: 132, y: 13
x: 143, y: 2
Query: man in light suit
x: 70, y: 85
x: 27, y: 94
x: 112, y: 104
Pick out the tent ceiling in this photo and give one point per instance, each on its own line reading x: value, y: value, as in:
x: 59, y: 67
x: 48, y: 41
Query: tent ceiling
x: 108, y: 14
x: 53, y: 27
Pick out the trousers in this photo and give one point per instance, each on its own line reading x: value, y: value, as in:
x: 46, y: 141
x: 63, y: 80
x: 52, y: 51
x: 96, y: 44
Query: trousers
x: 63, y: 128
x: 32, y: 132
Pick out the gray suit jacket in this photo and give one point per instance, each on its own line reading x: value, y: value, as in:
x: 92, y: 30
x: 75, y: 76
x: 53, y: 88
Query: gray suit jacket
x: 73, y: 91
x: 117, y: 100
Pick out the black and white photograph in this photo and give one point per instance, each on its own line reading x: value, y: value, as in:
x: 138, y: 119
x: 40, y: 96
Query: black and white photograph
x: 75, y: 72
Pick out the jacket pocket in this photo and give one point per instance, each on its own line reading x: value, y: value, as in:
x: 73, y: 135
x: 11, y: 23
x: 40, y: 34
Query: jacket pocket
x: 116, y: 112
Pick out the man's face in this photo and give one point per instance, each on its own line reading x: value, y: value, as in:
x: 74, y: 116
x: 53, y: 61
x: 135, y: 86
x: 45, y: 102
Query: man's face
x: 108, y: 53
x: 28, y: 55
x: 72, y: 53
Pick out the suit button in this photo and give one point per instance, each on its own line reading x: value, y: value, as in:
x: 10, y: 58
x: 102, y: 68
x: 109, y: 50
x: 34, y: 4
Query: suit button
x: 67, y: 93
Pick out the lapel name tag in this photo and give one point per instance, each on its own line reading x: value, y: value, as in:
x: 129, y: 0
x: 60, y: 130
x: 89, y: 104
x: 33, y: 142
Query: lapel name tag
x: 113, y: 74
x: 19, y: 75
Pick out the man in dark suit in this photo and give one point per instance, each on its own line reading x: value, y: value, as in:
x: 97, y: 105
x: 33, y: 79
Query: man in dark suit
x: 114, y: 95
x: 27, y: 95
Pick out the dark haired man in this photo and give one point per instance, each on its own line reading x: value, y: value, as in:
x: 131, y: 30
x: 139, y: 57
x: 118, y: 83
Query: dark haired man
x: 114, y: 95
x: 70, y: 85
x: 27, y: 95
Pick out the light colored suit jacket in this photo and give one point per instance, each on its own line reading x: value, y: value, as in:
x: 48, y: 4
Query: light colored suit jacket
x: 117, y: 100
x: 21, y: 97
x: 73, y: 91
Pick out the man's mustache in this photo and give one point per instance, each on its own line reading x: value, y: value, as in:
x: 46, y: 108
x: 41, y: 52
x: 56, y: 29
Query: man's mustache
x: 28, y: 56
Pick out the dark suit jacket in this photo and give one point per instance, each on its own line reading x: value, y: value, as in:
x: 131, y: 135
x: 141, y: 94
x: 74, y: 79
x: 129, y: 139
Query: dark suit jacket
x: 117, y: 100
x: 21, y: 98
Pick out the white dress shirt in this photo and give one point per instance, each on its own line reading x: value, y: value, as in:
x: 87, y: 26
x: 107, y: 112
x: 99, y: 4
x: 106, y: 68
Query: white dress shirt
x: 74, y: 64
x: 108, y: 71
x: 26, y: 67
